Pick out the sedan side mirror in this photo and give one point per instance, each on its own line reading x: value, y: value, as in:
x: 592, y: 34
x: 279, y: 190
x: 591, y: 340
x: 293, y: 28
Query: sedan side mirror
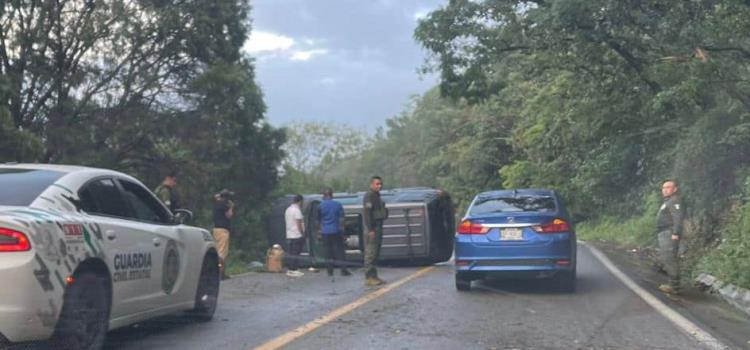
x: 182, y: 216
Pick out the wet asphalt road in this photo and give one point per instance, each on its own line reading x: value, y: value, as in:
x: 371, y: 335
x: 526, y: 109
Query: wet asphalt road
x: 426, y: 313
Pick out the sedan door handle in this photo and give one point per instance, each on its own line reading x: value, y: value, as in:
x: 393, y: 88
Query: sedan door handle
x: 110, y: 235
x: 157, y: 242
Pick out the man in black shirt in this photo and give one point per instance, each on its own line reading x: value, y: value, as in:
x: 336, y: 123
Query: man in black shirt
x: 223, y: 213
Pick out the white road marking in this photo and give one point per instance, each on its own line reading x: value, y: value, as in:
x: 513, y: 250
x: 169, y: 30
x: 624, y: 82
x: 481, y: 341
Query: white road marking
x: 687, y: 326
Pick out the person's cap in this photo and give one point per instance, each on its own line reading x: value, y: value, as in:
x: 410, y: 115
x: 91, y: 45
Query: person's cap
x: 226, y: 193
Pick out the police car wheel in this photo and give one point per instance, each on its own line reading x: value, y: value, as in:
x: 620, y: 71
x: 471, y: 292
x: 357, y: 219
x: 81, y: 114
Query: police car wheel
x: 84, y: 319
x: 207, y: 295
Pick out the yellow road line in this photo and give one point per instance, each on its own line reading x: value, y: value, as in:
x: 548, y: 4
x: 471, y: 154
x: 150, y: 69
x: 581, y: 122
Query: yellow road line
x: 300, y: 331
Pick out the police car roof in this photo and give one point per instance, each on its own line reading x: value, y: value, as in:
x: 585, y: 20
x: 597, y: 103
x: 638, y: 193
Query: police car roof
x: 61, y: 168
x: 519, y: 191
x: 51, y: 167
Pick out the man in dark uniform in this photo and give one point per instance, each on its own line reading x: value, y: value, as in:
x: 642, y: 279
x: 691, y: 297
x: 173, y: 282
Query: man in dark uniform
x: 374, y: 215
x: 669, y: 226
x: 166, y: 192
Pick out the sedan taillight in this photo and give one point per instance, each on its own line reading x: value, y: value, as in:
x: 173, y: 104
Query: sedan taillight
x: 469, y: 228
x: 556, y: 226
x: 13, y: 241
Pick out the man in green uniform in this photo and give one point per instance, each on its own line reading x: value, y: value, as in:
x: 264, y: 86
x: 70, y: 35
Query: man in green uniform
x: 669, y: 226
x: 166, y: 192
x: 374, y: 215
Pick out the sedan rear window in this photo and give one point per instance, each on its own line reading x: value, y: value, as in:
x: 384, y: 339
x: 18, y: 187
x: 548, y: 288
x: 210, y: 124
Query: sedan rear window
x: 20, y: 187
x: 513, y: 204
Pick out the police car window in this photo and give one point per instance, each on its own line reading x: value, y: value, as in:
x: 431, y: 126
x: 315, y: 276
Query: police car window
x: 145, y: 206
x: 103, y: 197
x: 21, y: 186
x: 513, y: 204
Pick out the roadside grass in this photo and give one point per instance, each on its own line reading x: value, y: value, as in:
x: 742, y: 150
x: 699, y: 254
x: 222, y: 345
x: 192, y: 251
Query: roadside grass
x: 634, y: 232
x: 238, y: 262
x: 730, y: 261
x: 637, y: 231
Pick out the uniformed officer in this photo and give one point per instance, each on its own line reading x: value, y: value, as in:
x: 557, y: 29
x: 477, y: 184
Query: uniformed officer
x: 374, y: 215
x: 669, y: 226
x: 166, y: 192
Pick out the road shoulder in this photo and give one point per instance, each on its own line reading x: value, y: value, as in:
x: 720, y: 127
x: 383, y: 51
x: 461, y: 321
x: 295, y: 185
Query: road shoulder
x: 721, y: 320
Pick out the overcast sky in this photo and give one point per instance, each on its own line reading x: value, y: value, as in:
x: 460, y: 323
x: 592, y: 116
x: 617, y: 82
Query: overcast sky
x: 347, y: 61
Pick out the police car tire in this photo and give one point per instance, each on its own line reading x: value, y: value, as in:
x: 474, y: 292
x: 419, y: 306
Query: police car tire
x: 84, y: 319
x: 208, y: 285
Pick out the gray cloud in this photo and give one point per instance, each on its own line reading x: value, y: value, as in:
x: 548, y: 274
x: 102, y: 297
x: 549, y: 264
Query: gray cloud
x: 349, y: 61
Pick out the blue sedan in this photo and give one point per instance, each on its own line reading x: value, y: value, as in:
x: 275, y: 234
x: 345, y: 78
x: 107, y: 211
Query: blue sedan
x: 516, y: 233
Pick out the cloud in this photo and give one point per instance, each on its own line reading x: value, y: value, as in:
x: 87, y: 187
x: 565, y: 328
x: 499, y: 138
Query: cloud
x: 327, y: 81
x: 264, y: 45
x: 420, y: 14
x: 264, y: 42
x: 304, y: 55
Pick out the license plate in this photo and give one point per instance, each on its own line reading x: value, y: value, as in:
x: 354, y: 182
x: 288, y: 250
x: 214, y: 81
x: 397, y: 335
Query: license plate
x: 511, y: 234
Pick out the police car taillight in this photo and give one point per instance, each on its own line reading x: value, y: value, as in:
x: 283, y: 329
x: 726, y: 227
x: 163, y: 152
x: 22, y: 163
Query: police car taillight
x: 13, y: 241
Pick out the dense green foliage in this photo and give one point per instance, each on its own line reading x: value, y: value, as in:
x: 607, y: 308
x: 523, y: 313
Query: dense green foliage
x: 146, y: 87
x: 601, y: 100
x: 730, y: 261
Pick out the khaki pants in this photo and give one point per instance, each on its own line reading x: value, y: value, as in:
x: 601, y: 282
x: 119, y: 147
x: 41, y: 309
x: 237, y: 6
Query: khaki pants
x: 221, y: 236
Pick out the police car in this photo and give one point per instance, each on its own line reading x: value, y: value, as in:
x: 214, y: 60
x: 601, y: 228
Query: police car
x: 84, y: 251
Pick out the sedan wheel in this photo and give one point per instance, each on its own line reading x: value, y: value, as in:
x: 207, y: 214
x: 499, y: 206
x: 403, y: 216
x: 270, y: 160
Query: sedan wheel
x: 463, y: 284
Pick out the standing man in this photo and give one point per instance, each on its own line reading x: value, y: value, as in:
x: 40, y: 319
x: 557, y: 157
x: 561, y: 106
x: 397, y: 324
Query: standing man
x: 669, y: 226
x: 223, y: 213
x: 374, y: 215
x: 166, y: 191
x: 295, y: 236
x: 331, y: 215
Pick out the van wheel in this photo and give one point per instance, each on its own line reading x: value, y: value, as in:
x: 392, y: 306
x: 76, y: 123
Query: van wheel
x: 207, y: 294
x: 84, y: 319
x: 462, y: 283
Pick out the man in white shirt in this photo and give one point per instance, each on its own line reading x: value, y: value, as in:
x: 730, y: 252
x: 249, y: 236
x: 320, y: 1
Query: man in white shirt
x: 295, y: 236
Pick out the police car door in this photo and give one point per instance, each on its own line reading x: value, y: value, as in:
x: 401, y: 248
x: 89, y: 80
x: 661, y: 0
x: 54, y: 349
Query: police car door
x: 170, y: 243
x: 127, y: 248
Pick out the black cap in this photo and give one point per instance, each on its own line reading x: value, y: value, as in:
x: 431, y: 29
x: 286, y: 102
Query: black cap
x: 226, y: 193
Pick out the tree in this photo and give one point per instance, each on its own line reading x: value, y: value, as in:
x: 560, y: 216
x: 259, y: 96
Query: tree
x: 320, y: 154
x: 146, y: 87
x: 602, y: 93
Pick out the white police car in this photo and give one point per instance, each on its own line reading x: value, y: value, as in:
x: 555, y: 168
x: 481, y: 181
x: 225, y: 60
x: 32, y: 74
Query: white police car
x: 84, y: 251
